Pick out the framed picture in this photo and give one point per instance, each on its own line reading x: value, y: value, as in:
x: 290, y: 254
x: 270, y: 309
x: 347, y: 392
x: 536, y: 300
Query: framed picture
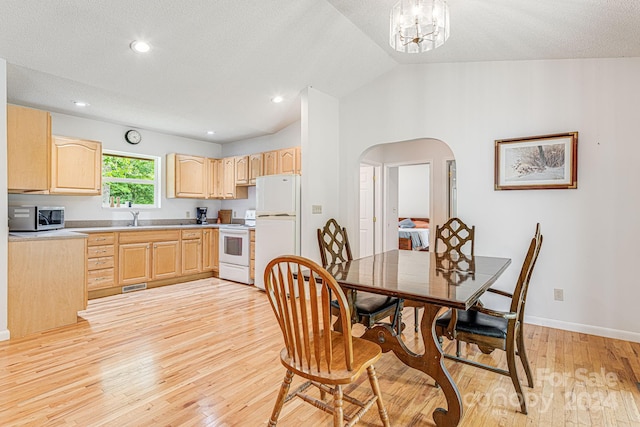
x: 537, y: 162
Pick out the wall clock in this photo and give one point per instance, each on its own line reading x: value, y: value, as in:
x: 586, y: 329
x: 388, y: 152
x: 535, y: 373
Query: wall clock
x: 133, y: 136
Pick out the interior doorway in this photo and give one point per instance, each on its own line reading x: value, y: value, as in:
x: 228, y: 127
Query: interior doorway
x: 384, y: 195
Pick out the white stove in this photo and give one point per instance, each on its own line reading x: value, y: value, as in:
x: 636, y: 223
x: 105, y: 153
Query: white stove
x: 234, y: 250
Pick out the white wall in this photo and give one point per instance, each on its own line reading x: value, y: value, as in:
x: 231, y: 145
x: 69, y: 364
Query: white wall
x: 112, y: 138
x: 590, y: 233
x: 4, y: 229
x: 413, y: 191
x: 321, y: 180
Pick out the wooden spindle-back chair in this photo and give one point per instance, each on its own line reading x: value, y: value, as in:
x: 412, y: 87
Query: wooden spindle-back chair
x: 300, y: 293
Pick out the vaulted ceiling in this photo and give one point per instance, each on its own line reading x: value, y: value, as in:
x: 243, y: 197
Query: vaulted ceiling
x: 215, y: 65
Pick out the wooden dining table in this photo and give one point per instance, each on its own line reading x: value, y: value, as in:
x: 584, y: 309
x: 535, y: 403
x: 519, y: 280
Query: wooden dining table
x: 434, y: 281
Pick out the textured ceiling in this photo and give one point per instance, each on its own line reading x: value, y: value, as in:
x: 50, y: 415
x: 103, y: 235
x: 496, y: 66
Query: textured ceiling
x: 216, y: 64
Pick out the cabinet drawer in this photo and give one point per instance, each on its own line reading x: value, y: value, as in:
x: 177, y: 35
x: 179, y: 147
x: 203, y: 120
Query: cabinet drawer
x: 98, y: 279
x: 100, y: 251
x: 148, y: 236
x: 96, y: 239
x: 191, y: 234
x: 100, y: 263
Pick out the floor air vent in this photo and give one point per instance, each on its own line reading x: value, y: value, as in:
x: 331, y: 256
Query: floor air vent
x: 132, y: 288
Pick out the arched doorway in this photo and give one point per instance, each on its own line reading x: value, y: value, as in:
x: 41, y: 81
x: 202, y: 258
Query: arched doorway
x: 386, y: 159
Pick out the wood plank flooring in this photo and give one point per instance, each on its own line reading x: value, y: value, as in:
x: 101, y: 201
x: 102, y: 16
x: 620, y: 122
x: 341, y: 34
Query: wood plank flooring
x: 205, y: 353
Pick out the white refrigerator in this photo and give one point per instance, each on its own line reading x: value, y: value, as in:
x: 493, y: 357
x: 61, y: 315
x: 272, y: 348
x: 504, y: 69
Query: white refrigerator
x: 277, y: 220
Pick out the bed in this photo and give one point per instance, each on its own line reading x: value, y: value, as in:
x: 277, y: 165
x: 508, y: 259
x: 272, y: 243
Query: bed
x: 413, y: 234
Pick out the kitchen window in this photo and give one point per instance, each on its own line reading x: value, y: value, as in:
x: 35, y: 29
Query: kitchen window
x: 133, y: 178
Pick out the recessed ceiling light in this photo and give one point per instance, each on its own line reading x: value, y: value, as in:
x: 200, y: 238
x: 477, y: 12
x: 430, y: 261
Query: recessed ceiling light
x: 140, y: 46
x: 277, y: 99
x: 81, y: 104
x: 210, y: 132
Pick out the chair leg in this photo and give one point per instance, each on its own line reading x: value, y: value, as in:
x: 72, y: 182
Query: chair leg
x: 415, y: 320
x: 375, y: 387
x: 338, y: 414
x: 458, y: 348
x: 523, y: 357
x: 284, y: 390
x: 513, y: 373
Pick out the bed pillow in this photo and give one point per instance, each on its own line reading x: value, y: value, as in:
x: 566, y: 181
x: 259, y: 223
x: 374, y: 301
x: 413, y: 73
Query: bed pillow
x: 406, y: 223
x: 421, y: 224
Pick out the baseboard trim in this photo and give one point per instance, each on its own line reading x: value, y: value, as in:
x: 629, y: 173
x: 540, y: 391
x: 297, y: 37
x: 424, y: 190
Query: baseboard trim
x: 586, y: 329
x: 5, y: 335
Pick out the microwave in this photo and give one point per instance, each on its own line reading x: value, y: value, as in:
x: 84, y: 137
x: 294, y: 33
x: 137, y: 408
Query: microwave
x: 35, y: 218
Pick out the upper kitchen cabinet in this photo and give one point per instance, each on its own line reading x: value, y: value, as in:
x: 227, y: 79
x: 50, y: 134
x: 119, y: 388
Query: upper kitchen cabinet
x: 255, y: 167
x: 242, y: 170
x: 231, y: 190
x: 28, y: 149
x: 287, y: 160
x: 215, y: 178
x: 270, y: 163
x: 186, y: 176
x: 76, y: 166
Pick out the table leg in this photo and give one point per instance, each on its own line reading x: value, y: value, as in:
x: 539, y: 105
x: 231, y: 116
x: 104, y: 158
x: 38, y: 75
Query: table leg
x: 430, y: 362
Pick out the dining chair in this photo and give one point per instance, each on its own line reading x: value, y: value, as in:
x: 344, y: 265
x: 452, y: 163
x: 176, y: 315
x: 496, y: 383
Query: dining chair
x: 455, y: 236
x: 326, y: 358
x: 370, y: 309
x: 490, y: 329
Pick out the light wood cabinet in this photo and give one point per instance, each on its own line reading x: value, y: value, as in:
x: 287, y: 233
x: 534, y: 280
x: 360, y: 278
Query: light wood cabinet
x: 242, y: 170
x: 101, y: 261
x: 287, y: 160
x: 148, y: 255
x: 186, y: 176
x: 166, y: 260
x: 270, y: 163
x: 215, y: 178
x: 134, y: 266
x: 43, y: 292
x: 252, y: 258
x: 191, y: 251
x: 255, y: 167
x: 210, y: 257
x: 231, y: 191
x: 76, y: 166
x: 28, y: 149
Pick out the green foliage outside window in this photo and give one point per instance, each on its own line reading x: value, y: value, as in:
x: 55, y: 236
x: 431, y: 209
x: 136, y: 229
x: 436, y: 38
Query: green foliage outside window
x: 132, y: 179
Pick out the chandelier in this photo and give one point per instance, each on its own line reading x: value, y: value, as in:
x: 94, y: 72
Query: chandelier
x: 419, y: 25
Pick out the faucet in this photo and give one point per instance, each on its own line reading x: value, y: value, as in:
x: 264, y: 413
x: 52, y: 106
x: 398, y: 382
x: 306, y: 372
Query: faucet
x: 135, y: 218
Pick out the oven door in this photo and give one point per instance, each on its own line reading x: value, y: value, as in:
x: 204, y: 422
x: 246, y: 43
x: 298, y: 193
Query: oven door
x: 234, y: 246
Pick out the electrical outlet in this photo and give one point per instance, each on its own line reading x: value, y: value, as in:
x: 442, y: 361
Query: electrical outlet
x: 188, y: 214
x: 316, y: 209
x: 558, y: 294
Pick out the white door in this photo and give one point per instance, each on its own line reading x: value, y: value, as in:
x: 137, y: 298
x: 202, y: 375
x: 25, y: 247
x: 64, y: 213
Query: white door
x: 275, y: 236
x: 277, y: 194
x: 367, y: 212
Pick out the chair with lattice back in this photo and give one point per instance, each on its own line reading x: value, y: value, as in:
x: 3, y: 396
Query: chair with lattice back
x: 369, y: 308
x: 456, y: 237
x: 315, y: 351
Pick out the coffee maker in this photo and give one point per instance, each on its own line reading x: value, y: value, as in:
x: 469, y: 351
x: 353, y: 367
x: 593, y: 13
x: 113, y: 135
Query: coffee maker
x: 201, y: 215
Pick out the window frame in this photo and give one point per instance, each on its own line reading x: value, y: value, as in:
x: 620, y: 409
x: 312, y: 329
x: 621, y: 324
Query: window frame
x: 157, y: 182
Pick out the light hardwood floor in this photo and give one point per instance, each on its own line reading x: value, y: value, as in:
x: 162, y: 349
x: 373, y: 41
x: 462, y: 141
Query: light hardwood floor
x: 206, y: 353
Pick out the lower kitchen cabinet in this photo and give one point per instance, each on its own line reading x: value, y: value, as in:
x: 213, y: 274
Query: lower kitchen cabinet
x: 210, y: 239
x: 101, y: 263
x: 166, y: 260
x: 43, y: 292
x: 191, y: 251
x: 135, y: 264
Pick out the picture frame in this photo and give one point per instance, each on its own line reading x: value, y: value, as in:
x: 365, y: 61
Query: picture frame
x: 537, y: 162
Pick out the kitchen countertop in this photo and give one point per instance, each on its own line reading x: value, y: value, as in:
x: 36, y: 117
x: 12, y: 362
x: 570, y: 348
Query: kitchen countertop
x: 78, y: 233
